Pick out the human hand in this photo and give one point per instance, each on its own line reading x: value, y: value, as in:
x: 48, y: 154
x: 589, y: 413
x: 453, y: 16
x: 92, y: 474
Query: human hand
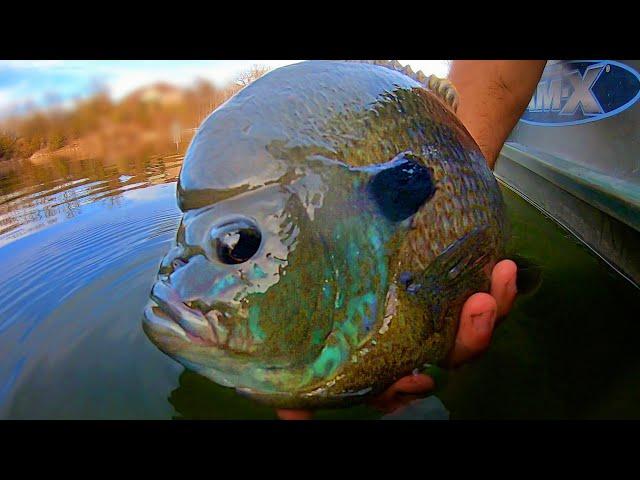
x: 477, y: 322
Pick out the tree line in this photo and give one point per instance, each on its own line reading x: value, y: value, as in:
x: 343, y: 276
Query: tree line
x: 53, y: 128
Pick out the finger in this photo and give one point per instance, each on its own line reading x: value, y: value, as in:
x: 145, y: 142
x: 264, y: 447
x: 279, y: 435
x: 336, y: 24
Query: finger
x: 285, y: 414
x: 503, y: 286
x: 477, y: 320
x: 403, y: 392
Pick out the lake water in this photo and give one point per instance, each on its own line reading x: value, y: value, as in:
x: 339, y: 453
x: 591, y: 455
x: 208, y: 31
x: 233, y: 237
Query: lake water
x: 80, y: 244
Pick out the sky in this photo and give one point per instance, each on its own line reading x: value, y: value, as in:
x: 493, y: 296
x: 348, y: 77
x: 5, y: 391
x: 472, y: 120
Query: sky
x: 43, y: 82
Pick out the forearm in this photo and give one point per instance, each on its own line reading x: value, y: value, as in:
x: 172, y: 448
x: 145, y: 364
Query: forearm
x: 493, y: 95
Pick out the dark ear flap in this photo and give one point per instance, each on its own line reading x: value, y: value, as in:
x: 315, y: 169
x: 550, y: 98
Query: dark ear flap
x: 401, y: 187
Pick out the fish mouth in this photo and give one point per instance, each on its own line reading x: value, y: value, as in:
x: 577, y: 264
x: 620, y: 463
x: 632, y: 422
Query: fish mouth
x: 167, y: 312
x: 199, y: 338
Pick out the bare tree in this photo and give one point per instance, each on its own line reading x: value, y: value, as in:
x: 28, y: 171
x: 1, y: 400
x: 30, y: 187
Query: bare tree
x: 250, y: 75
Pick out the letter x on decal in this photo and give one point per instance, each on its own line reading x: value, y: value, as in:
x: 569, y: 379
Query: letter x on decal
x: 582, y: 94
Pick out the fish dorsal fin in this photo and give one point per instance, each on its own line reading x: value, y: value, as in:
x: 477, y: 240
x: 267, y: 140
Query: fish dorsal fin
x: 441, y: 87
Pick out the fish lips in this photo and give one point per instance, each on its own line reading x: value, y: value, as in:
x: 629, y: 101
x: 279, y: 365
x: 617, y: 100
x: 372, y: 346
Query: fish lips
x: 167, y: 319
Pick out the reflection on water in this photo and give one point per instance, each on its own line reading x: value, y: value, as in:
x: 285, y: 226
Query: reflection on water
x: 34, y: 196
x: 80, y: 244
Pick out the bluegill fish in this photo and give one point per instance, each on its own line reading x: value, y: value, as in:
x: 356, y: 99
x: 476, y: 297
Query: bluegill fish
x: 336, y: 217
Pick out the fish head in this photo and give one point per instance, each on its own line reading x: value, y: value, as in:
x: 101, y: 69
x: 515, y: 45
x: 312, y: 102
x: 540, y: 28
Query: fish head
x: 214, y: 305
x: 272, y: 289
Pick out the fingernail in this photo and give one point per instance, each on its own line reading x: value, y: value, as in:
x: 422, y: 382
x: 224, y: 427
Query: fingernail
x: 483, y: 322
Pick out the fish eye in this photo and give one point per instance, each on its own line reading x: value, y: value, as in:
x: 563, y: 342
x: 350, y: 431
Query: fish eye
x: 402, y: 188
x: 236, y: 242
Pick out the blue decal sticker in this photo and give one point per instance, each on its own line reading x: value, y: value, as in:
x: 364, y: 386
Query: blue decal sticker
x: 581, y: 91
